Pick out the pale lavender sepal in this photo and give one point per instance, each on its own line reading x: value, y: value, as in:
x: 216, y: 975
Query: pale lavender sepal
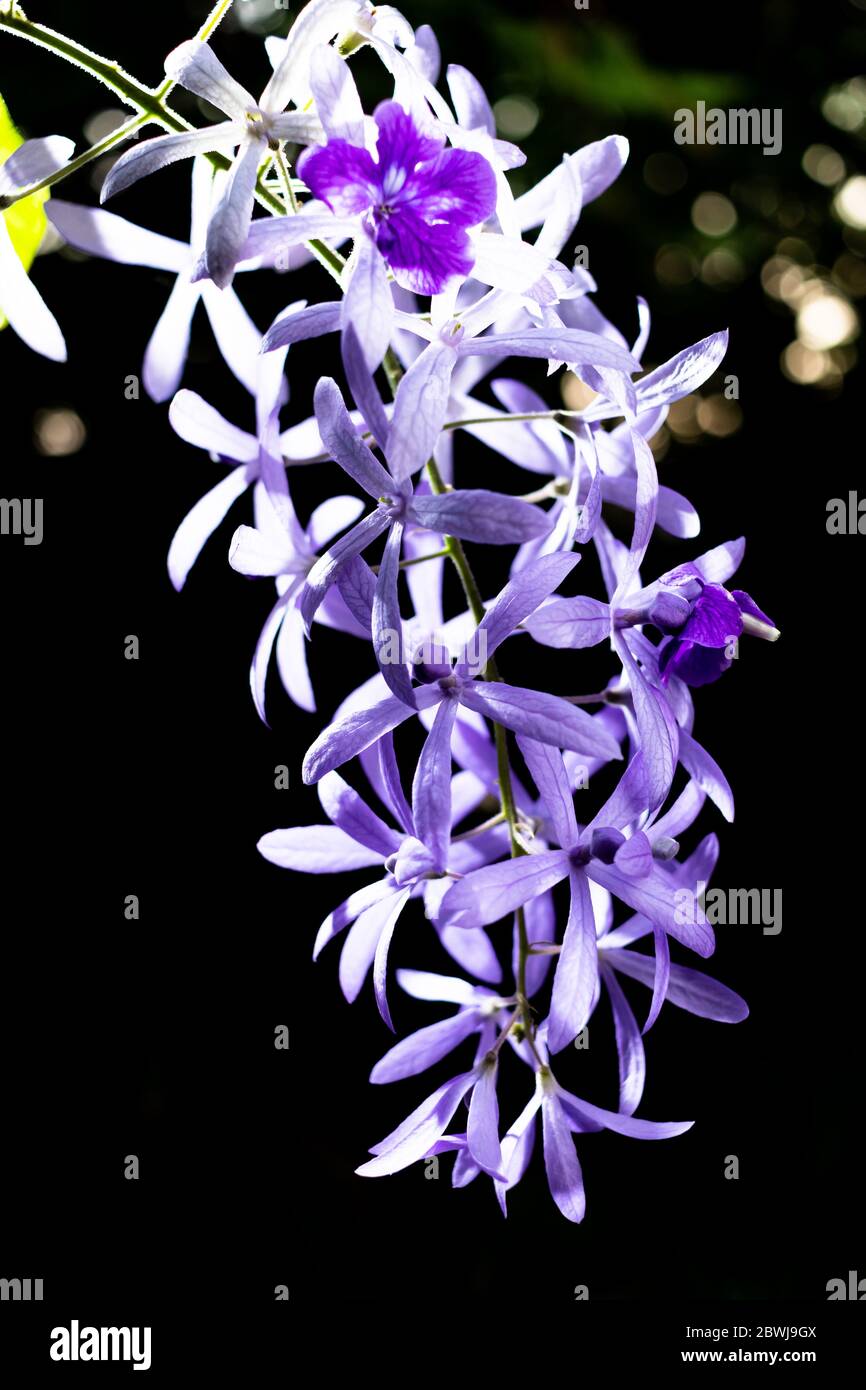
x: 576, y: 979
x: 424, y: 1048
x: 431, y: 787
x: 488, y: 894
x: 420, y: 1131
x: 355, y: 732
x: 478, y: 515
x: 152, y: 155
x: 560, y: 1161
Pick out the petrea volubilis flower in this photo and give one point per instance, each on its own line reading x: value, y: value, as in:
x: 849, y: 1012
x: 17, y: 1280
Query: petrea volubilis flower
x: 253, y: 127
x: 472, y: 515
x: 359, y: 838
x: 416, y: 199
x: 102, y: 233
x: 201, y: 424
x: 533, y: 713
x: 441, y: 285
x: 278, y: 547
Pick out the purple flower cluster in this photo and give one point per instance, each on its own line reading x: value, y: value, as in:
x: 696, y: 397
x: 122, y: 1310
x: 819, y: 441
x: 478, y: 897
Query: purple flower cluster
x: 440, y: 283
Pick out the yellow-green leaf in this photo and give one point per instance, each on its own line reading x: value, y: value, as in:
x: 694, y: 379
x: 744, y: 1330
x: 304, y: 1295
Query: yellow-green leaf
x: 26, y: 220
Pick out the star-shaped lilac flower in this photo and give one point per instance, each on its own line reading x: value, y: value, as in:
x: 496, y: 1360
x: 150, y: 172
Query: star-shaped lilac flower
x: 687, y: 988
x: 252, y: 129
x: 480, y: 1010
x: 279, y: 547
x: 546, y: 718
x: 599, y: 852
x: 414, y: 860
x: 103, y: 233
x: 562, y: 1115
x: 473, y: 514
x: 201, y: 424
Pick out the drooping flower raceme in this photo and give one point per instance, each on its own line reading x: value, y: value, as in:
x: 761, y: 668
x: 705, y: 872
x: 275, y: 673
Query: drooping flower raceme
x: 480, y: 820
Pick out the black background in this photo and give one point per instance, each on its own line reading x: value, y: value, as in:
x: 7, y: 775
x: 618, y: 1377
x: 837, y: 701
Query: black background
x: 156, y: 777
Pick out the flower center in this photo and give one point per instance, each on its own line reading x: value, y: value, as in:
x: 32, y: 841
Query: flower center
x: 394, y: 507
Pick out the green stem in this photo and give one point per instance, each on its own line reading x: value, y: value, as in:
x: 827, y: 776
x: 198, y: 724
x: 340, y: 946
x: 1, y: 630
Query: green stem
x: 143, y: 99
x: 419, y: 560
x: 285, y: 179
x: 422, y: 559
x: 554, y: 415
x: 121, y: 132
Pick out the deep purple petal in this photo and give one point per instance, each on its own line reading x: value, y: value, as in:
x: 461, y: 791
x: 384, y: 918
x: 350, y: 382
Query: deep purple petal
x: 715, y: 618
x: 747, y: 604
x: 458, y: 186
x: 341, y: 175
x: 400, y: 145
x: 424, y: 258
